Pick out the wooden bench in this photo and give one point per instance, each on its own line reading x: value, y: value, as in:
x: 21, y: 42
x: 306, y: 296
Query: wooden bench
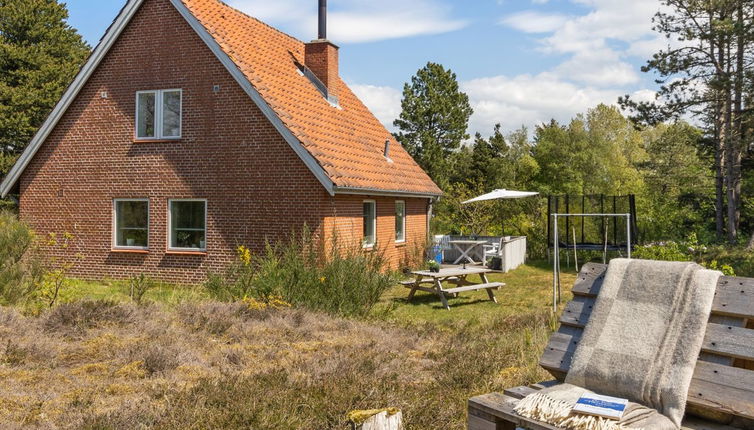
x: 473, y: 287
x: 721, y: 395
x: 456, y: 276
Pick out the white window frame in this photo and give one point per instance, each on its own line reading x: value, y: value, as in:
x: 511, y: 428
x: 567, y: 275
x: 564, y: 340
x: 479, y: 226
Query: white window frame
x: 403, y: 239
x: 158, y: 107
x: 115, y: 225
x: 365, y: 244
x: 170, y: 226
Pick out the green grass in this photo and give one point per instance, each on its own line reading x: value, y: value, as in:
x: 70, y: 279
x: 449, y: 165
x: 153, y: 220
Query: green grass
x: 528, y: 290
x: 118, y: 291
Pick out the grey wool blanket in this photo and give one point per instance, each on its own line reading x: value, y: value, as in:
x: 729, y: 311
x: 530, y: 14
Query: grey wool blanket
x: 641, y: 343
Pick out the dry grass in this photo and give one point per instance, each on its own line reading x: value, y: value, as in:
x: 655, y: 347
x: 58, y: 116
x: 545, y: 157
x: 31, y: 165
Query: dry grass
x: 117, y: 366
x: 100, y: 364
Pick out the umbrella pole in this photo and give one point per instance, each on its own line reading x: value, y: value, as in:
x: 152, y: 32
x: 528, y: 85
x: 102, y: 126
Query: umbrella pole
x: 502, y: 220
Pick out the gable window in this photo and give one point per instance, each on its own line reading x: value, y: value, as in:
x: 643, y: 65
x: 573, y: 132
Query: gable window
x: 131, y: 223
x: 400, y: 221
x: 370, y: 223
x: 188, y: 225
x: 158, y: 114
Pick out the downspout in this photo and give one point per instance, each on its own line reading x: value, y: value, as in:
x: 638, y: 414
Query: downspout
x: 430, y: 204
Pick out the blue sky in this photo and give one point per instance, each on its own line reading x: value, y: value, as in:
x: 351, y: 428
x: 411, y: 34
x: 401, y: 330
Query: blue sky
x: 522, y: 62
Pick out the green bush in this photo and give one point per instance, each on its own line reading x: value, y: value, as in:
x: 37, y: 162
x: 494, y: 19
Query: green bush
x: 714, y: 258
x: 139, y: 285
x: 664, y: 251
x: 20, y: 269
x: 237, y: 282
x: 342, y: 280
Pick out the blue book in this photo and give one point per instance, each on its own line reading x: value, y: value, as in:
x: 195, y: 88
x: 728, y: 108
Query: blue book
x: 601, y: 406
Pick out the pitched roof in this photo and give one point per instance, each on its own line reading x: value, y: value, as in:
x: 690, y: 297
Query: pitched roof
x: 343, y: 145
x: 348, y: 142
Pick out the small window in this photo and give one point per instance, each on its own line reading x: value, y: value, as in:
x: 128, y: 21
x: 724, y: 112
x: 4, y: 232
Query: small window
x: 188, y: 225
x: 158, y: 114
x: 370, y: 223
x: 131, y: 223
x: 400, y: 221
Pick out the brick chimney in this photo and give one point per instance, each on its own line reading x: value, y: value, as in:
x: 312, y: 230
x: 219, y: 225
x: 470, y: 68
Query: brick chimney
x: 321, y: 56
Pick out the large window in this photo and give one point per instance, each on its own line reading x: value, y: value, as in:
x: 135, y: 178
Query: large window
x: 131, y: 223
x: 188, y: 225
x: 400, y: 221
x: 370, y: 223
x: 158, y: 114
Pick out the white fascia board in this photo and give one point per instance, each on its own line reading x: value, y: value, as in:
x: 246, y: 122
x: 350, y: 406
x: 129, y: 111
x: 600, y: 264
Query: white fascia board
x: 268, y: 112
x: 120, y: 23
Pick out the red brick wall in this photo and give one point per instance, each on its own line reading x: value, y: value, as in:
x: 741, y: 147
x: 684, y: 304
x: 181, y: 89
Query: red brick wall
x: 321, y: 58
x: 256, y: 186
x: 347, y: 222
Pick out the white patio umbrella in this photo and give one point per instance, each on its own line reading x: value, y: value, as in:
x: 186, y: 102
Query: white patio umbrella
x: 502, y: 194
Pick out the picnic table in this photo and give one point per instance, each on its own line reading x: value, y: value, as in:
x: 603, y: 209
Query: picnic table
x: 457, y: 277
x: 466, y: 247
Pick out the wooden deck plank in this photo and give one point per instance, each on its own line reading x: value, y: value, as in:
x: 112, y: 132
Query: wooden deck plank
x: 734, y: 297
x: 721, y: 340
x: 577, y: 311
x: 589, y: 280
x: 729, y: 341
x: 489, y: 408
x: 723, y: 389
x: 501, y: 407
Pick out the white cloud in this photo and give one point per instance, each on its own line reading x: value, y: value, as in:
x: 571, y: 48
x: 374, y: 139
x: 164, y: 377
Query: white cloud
x: 600, y: 66
x: 530, y: 21
x: 384, y: 102
x: 353, y: 21
x: 599, y: 47
x: 527, y: 100
x: 608, y: 19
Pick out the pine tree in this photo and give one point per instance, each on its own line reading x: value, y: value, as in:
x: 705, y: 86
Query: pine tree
x: 40, y: 55
x: 704, y: 75
x: 434, y: 119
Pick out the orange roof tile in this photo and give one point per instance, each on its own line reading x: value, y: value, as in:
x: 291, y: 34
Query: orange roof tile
x: 348, y: 142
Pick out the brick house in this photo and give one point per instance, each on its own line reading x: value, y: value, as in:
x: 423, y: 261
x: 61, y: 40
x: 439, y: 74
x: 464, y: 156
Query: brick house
x: 194, y: 128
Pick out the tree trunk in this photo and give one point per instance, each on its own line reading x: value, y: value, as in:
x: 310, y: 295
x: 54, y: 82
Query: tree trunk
x: 719, y: 174
x: 737, y: 143
x: 723, y: 97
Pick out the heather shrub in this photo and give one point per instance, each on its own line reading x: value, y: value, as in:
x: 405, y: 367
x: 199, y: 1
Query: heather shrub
x: 160, y: 358
x: 86, y: 314
x: 213, y: 317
